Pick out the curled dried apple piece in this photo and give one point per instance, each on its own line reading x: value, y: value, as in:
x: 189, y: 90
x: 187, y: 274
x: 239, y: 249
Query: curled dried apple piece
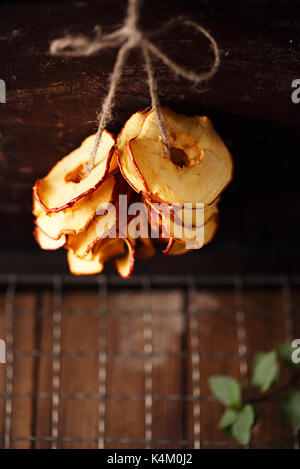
x: 91, y: 265
x: 82, y: 243
x: 47, y: 243
x: 156, y: 225
x: 104, y: 251
x: 184, y: 214
x: 103, y: 225
x: 125, y: 264
x: 75, y: 219
x: 130, y: 130
x: 66, y: 183
x: 163, y: 221
x: 176, y: 222
x: 176, y: 247
x: 200, y: 175
x: 36, y: 208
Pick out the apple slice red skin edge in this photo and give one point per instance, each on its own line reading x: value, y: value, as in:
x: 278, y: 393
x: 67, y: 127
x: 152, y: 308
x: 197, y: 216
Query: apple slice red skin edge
x: 115, y: 192
x: 169, y: 246
x: 73, y: 201
x: 130, y: 156
x: 172, y: 240
x: 37, y: 227
x: 123, y: 174
x: 48, y: 249
x: 132, y: 262
x: 151, y: 202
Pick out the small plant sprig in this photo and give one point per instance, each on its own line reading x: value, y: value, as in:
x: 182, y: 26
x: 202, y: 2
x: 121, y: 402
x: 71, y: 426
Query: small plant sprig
x: 239, y: 416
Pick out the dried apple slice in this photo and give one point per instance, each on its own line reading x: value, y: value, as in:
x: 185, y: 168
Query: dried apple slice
x: 47, y: 243
x: 82, y: 243
x: 156, y: 226
x: 75, y: 219
x: 125, y: 264
x: 36, y: 208
x: 187, y: 233
x: 200, y: 167
x: 181, y: 214
x: 102, y: 226
x: 179, y: 224
x: 164, y: 224
x: 189, y: 216
x: 65, y: 184
x: 176, y: 247
x: 89, y: 266
x: 130, y: 130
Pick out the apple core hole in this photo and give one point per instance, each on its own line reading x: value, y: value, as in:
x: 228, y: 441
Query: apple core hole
x: 75, y: 175
x: 179, y: 157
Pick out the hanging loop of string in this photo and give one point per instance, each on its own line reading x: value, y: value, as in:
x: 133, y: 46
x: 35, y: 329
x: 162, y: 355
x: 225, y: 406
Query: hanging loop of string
x: 129, y: 36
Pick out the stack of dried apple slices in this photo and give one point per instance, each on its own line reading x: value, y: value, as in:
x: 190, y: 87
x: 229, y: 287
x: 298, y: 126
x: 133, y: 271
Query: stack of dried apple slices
x: 66, y: 201
x: 65, y: 204
x: 197, y: 171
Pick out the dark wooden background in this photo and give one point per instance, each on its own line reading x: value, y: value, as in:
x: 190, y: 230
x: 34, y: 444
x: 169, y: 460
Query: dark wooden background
x: 52, y: 104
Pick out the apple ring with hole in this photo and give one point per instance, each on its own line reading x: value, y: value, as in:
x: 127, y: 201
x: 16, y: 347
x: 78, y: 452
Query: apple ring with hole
x: 199, y: 168
x: 67, y: 183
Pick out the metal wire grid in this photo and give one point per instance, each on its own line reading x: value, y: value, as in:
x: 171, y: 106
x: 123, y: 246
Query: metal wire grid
x: 190, y: 284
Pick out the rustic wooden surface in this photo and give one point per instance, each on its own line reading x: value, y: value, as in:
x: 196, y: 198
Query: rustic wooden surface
x: 52, y: 104
x: 172, y: 411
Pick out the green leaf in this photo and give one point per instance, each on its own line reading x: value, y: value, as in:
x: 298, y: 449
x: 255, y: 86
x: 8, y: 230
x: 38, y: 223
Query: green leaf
x: 285, y: 352
x: 228, y: 418
x: 290, y: 409
x: 241, y: 428
x: 265, y: 370
x: 226, y: 390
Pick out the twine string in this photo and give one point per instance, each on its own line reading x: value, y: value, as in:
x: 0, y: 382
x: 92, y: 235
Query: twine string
x: 154, y: 100
x: 129, y: 36
x: 105, y: 115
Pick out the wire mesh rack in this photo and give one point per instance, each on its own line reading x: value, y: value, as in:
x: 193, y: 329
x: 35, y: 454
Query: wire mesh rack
x: 103, y: 363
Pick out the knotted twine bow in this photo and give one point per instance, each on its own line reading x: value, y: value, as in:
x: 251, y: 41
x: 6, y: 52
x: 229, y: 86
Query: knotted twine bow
x: 128, y: 37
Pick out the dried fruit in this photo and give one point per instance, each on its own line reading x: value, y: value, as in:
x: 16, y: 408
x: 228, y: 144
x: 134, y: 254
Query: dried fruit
x: 88, y: 266
x: 125, y: 264
x: 75, y: 219
x: 177, y: 248
x: 67, y: 182
x: 200, y: 170
x: 130, y: 130
x: 72, y: 208
x: 47, y: 243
